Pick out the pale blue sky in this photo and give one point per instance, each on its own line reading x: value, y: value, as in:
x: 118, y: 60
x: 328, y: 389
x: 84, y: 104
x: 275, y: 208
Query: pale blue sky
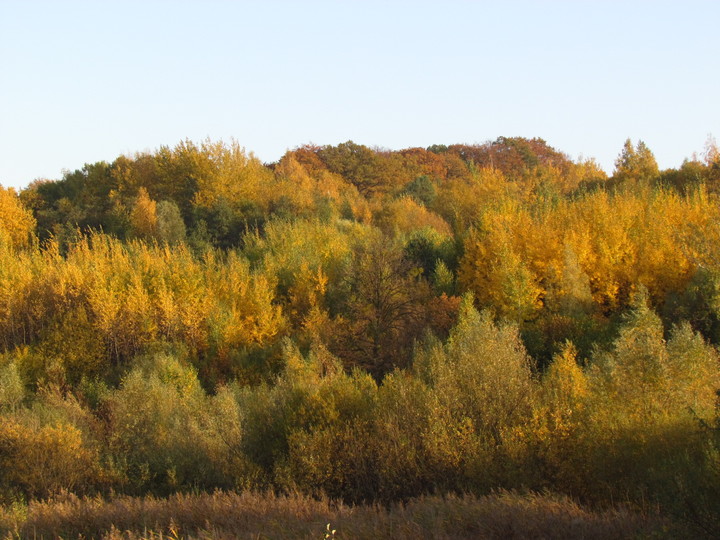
x: 87, y: 81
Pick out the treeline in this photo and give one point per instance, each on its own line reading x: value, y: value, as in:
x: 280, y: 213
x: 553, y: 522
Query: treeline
x: 367, y: 324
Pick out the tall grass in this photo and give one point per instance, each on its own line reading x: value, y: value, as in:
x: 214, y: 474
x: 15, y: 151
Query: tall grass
x: 264, y: 515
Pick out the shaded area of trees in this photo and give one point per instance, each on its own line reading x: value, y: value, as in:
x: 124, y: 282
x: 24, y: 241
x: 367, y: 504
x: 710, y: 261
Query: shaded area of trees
x: 471, y: 415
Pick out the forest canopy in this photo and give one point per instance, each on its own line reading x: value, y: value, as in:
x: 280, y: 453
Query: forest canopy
x: 366, y: 324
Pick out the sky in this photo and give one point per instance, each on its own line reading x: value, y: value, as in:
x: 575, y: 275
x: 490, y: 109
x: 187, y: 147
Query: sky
x: 82, y: 82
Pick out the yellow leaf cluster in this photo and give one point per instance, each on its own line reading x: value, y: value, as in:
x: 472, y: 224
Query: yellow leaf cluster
x: 616, y: 241
x: 17, y: 224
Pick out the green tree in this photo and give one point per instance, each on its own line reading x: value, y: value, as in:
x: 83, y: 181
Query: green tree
x: 422, y: 189
x: 170, y: 225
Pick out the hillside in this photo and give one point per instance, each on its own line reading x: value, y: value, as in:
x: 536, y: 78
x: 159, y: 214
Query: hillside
x: 366, y: 325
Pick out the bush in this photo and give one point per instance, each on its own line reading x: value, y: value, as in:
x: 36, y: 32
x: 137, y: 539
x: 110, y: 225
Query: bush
x: 163, y: 429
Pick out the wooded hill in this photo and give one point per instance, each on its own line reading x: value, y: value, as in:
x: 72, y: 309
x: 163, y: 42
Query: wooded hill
x: 367, y: 324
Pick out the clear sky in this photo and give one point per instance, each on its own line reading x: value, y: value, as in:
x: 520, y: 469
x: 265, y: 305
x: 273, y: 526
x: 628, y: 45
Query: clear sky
x: 87, y: 81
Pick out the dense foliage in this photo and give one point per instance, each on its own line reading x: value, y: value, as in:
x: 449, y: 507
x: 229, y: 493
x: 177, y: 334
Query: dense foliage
x: 365, y: 324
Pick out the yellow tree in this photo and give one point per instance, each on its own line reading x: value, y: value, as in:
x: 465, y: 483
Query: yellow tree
x: 496, y: 269
x: 636, y: 163
x: 229, y: 174
x: 405, y: 215
x: 16, y: 222
x: 143, y: 218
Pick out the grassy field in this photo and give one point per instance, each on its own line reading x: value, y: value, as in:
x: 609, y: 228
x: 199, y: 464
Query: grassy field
x: 253, y: 515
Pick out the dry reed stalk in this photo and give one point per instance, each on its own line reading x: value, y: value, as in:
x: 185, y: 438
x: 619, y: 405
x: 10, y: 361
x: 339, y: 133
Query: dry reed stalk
x: 255, y: 515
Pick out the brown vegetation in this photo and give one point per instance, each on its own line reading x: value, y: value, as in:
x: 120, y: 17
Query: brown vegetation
x: 262, y: 515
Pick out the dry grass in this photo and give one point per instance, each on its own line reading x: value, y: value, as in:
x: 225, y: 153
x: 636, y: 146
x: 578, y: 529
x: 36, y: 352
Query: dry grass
x: 253, y: 515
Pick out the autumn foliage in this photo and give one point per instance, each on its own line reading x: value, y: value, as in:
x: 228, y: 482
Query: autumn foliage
x: 365, y: 324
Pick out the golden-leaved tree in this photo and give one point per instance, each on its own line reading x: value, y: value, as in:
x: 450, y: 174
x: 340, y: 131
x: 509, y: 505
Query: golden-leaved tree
x: 17, y: 224
x: 635, y: 163
x: 523, y: 258
x: 143, y: 216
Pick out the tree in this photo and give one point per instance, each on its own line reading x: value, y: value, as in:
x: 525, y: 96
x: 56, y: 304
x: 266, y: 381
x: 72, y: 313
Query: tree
x: 634, y: 371
x: 405, y: 215
x: 16, y: 222
x: 359, y: 165
x: 386, y: 311
x: 143, y: 218
x: 170, y: 225
x: 482, y: 376
x: 712, y: 152
x: 575, y: 297
x: 636, y: 163
x: 422, y: 189
x: 494, y: 271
